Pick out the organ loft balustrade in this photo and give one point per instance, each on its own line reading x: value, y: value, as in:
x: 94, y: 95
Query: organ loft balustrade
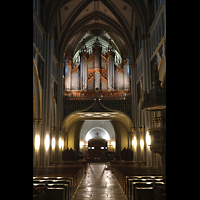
x: 114, y: 101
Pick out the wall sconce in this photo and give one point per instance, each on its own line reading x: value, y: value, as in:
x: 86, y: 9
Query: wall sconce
x: 53, y: 143
x: 37, y: 142
x: 47, y: 142
x: 142, y: 143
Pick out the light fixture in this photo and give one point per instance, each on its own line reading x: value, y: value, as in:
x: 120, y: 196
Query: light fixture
x: 53, y: 143
x: 81, y: 144
x: 148, y: 139
x: 47, y: 142
x: 113, y: 144
x: 134, y: 142
x: 37, y: 142
x: 142, y: 143
x: 61, y: 143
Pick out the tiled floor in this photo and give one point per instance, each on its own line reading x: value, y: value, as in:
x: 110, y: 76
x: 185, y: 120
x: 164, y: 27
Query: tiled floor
x: 99, y: 184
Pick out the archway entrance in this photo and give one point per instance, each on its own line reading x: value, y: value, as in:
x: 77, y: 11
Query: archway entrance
x: 97, y: 122
x: 97, y: 138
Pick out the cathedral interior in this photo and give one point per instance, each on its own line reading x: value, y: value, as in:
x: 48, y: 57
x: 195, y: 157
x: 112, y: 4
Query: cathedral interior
x: 99, y: 96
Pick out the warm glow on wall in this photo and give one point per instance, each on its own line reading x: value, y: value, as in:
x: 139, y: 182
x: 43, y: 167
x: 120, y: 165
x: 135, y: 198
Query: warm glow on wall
x: 134, y: 142
x: 47, y: 142
x: 148, y: 139
x: 81, y: 144
x: 113, y: 144
x: 61, y: 143
x: 142, y: 143
x: 37, y: 142
x: 53, y: 143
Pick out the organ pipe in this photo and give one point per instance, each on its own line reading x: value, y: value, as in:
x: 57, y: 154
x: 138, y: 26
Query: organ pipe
x: 111, y: 70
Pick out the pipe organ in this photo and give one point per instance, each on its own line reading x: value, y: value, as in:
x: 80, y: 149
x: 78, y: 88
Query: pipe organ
x: 96, y: 70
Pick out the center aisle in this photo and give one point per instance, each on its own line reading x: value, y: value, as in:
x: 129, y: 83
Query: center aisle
x: 99, y: 184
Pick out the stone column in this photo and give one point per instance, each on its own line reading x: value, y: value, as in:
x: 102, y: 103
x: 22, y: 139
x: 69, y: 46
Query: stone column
x: 46, y: 98
x: 60, y: 149
x: 134, y: 144
x: 133, y: 89
x: 36, y: 139
x: 147, y: 85
x: 53, y: 143
x: 60, y: 114
x: 130, y: 140
x: 65, y: 140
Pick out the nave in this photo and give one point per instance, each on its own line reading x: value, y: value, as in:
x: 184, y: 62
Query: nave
x: 80, y: 180
x: 99, y: 184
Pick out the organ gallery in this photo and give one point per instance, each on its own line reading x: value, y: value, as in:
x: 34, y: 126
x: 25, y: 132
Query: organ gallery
x: 97, y: 65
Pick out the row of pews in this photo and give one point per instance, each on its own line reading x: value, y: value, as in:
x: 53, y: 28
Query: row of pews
x: 138, y: 181
x: 59, y: 181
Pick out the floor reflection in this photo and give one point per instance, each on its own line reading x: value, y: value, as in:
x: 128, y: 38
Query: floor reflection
x: 99, y: 184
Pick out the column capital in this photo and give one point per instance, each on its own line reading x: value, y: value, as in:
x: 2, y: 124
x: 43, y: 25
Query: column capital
x: 141, y: 128
x: 48, y: 36
x: 60, y: 64
x: 110, y: 53
x: 144, y: 36
x: 37, y: 121
x: 133, y: 65
x: 133, y: 129
x: 53, y: 128
x: 130, y: 133
x: 86, y: 54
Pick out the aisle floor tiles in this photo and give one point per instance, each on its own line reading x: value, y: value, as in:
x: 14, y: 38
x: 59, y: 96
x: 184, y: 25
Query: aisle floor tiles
x: 99, y: 184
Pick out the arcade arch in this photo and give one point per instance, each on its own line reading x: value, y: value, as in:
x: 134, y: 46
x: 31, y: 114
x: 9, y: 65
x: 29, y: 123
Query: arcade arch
x: 115, y: 123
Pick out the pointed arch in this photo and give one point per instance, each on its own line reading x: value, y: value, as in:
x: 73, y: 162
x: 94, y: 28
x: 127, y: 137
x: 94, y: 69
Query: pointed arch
x: 53, y: 108
x: 37, y: 106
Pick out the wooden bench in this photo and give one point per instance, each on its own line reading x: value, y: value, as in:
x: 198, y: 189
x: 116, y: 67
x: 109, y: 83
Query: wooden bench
x: 66, y: 175
x: 56, y: 193
x: 66, y: 184
x: 129, y: 173
x: 159, y: 191
x: 122, y: 170
x: 144, y: 193
x: 144, y: 179
x: 132, y: 192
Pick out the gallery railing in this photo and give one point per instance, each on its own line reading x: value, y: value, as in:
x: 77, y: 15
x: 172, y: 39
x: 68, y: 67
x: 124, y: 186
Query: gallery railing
x: 120, y: 103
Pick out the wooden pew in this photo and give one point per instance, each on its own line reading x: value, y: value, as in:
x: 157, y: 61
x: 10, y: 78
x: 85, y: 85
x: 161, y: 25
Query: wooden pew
x: 66, y: 175
x: 128, y: 172
x: 123, y: 170
x: 56, y: 193
x: 67, y: 184
x: 159, y: 191
x: 144, y: 193
x: 144, y: 179
x: 132, y: 192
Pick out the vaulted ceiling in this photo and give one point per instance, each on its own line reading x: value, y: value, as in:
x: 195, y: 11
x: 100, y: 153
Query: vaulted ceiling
x: 78, y: 19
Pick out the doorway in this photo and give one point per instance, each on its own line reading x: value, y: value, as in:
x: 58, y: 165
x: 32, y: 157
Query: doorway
x: 97, y: 149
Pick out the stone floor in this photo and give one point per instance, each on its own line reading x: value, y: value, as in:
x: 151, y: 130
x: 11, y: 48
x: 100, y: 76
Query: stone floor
x: 99, y: 184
